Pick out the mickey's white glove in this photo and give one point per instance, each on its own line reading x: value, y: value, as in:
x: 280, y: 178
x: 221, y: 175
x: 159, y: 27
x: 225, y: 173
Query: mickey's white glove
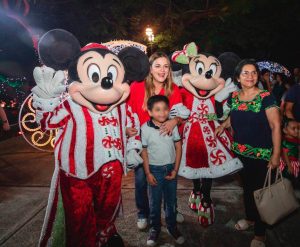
x: 226, y: 91
x: 179, y: 110
x: 133, y: 159
x: 49, y: 83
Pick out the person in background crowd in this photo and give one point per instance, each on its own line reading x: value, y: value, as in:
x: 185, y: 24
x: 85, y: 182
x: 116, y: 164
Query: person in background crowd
x: 279, y: 87
x: 296, y: 74
x: 292, y: 103
x: 4, y: 120
x: 265, y: 80
x: 288, y: 85
x: 255, y: 120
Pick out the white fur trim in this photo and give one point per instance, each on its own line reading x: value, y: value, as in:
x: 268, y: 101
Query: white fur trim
x: 45, y: 105
x: 227, y: 168
x: 134, y: 144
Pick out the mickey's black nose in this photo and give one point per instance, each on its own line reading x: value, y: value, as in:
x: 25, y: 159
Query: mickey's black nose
x: 208, y: 74
x: 107, y: 83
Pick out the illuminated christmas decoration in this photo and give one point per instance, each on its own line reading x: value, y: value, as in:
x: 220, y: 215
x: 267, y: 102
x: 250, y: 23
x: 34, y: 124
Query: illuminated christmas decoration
x: 13, y: 82
x: 117, y: 45
x: 31, y: 131
x: 11, y: 92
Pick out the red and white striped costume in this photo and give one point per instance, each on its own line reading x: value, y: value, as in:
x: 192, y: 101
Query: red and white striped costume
x: 86, y: 140
x: 89, y: 152
x: 203, y: 154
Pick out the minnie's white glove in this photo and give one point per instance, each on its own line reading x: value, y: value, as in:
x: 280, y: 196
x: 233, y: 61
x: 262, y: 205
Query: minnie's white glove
x: 226, y: 91
x: 133, y: 159
x: 49, y: 83
x: 177, y: 77
x: 179, y: 110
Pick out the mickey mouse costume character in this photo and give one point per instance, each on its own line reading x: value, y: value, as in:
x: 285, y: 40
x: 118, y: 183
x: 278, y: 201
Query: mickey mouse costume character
x: 205, y: 156
x: 90, y: 145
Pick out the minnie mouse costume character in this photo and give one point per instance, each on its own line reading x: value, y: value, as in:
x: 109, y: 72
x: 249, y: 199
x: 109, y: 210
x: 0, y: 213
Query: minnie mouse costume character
x: 204, y: 156
x: 91, y: 145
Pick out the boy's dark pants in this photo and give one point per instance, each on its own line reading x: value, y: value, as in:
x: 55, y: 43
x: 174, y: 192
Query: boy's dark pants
x: 164, y: 189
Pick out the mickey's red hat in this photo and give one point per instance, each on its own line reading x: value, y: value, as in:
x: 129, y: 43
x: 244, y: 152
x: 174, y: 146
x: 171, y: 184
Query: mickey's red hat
x: 90, y: 46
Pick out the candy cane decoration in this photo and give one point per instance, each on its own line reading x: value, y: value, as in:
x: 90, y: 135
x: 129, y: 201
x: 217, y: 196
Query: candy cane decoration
x: 217, y: 157
x: 108, y: 172
x: 225, y: 141
x: 107, y: 142
x: 211, y: 141
x: 202, y: 120
x: 203, y: 109
x: 114, y: 121
x: 193, y: 117
x: 206, y: 130
x: 117, y: 143
x: 104, y: 121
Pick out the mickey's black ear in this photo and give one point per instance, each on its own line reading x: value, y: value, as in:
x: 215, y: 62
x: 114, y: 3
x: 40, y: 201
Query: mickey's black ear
x: 229, y: 61
x: 136, y: 63
x: 57, y: 48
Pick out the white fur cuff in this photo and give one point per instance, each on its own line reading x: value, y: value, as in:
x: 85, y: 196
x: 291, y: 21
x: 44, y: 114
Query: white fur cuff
x: 134, y: 145
x: 45, y: 105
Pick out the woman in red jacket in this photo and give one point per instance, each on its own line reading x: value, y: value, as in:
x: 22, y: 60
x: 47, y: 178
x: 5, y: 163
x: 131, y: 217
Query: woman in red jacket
x: 158, y: 82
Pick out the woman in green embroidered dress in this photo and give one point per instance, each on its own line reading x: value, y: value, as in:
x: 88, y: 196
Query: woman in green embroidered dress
x: 255, y: 120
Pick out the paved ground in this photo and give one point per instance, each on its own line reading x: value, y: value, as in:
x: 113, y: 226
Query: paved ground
x: 25, y: 175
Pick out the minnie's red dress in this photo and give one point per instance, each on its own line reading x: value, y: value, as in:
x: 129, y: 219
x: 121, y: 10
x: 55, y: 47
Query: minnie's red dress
x: 203, y: 154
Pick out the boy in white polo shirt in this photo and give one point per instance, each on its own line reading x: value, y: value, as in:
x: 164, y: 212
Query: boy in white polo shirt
x: 161, y: 155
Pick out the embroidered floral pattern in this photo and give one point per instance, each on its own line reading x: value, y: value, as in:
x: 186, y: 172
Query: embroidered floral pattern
x: 252, y: 152
x: 254, y: 105
x: 291, y: 145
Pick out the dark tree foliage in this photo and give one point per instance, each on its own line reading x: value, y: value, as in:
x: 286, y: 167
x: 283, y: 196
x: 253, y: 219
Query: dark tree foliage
x: 264, y: 29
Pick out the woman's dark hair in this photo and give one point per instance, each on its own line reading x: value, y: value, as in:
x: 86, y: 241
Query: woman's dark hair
x: 238, y: 69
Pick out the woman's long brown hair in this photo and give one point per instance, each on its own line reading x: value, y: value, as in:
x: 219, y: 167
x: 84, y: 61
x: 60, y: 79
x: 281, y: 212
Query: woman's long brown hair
x: 149, y: 85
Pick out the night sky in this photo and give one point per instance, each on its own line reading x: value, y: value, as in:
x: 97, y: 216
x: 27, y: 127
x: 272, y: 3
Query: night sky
x: 265, y: 29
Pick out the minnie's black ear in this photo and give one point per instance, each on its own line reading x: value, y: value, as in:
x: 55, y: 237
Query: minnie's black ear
x: 136, y: 64
x: 57, y: 48
x: 179, y: 66
x: 229, y: 61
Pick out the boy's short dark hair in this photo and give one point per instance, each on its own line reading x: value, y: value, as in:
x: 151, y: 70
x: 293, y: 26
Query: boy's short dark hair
x: 155, y: 99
